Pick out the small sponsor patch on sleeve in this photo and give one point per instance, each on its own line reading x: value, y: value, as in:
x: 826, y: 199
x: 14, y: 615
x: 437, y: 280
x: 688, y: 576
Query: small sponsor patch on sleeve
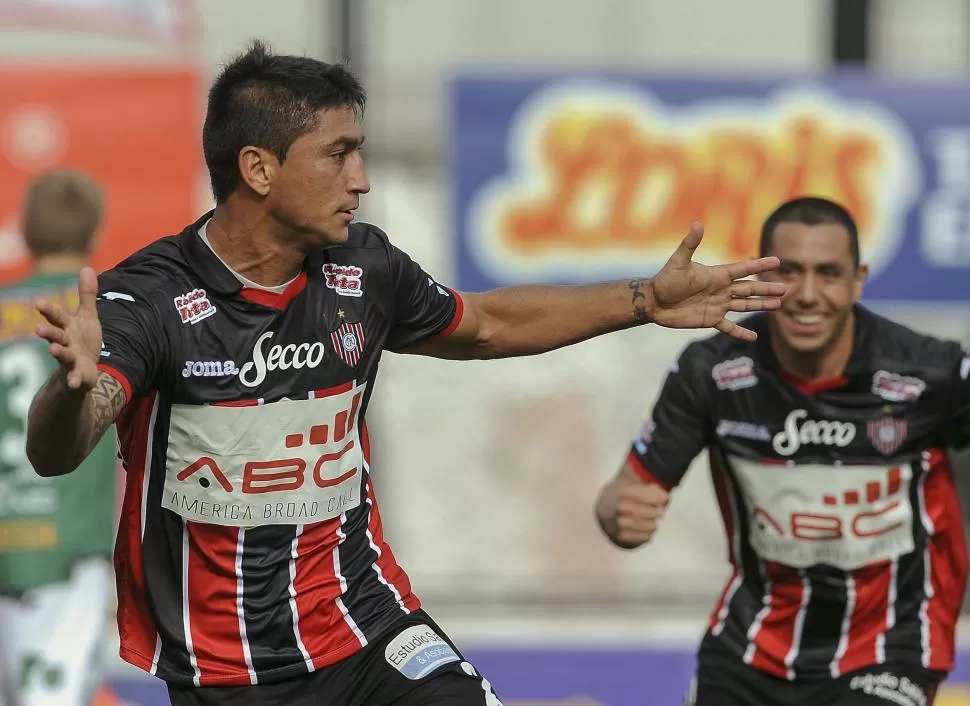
x: 418, y: 651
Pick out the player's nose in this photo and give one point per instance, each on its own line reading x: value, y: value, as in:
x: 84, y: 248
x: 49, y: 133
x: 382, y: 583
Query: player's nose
x: 359, y: 183
x: 806, y: 292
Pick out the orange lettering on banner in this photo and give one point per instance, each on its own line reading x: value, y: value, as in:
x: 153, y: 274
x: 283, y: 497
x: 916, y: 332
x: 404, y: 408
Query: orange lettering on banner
x: 135, y: 131
x: 729, y: 178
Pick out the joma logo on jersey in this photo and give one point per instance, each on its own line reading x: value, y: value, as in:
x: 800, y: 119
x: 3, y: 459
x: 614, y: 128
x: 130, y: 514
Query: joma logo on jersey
x: 209, y: 368
x: 291, y: 356
x: 825, y: 432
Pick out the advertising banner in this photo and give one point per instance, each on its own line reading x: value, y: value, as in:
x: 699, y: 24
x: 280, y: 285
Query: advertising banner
x: 564, y: 677
x: 584, y: 177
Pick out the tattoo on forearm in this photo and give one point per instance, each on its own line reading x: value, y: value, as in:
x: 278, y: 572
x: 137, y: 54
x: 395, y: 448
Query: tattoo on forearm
x: 108, y: 397
x: 639, y: 301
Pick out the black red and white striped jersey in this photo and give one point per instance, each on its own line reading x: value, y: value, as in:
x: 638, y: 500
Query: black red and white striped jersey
x: 250, y: 547
x: 843, y: 523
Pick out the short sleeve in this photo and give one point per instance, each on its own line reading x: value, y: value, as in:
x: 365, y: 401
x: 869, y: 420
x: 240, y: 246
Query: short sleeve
x: 956, y: 426
x: 422, y: 306
x: 677, y: 429
x: 132, y: 338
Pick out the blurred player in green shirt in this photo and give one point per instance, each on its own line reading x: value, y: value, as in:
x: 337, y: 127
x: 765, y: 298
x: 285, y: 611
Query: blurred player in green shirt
x: 56, y: 534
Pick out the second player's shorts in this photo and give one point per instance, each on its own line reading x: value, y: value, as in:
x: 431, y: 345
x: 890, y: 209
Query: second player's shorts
x: 415, y: 664
x: 52, y: 639
x: 722, y: 682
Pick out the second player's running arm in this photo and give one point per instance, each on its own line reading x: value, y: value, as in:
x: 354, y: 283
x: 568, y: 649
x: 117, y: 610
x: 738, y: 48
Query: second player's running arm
x: 631, y: 505
x: 64, y: 425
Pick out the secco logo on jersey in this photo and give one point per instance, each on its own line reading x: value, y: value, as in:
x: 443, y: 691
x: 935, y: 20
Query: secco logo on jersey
x: 286, y: 463
x: 809, y: 514
x: 291, y: 356
x: 344, y: 279
x: 418, y: 651
x: 825, y: 432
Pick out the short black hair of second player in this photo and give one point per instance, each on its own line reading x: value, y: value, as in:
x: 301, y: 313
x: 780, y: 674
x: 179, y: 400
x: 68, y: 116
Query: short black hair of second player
x: 268, y: 100
x: 811, y: 211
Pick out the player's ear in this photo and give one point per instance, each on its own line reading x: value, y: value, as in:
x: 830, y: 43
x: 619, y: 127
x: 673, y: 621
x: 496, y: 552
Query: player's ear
x: 861, y: 275
x: 257, y: 167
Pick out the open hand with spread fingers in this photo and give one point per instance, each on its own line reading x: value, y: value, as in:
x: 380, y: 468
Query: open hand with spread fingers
x: 688, y: 294
x: 75, y: 338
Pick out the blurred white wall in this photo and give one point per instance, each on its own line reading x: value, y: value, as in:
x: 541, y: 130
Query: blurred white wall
x: 418, y: 45
x: 487, y: 471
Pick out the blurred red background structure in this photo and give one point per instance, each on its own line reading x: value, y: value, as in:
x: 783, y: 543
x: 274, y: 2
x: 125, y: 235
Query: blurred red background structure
x: 135, y: 131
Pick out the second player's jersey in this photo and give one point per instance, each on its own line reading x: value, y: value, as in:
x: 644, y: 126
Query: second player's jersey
x: 844, y: 526
x: 251, y: 546
x: 46, y: 524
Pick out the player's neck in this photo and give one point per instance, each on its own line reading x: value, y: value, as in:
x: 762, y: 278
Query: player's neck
x: 253, y: 246
x: 825, y: 364
x: 59, y: 264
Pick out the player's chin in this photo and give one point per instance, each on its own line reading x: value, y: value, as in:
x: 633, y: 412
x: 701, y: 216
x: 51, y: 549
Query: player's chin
x: 336, y: 233
x: 806, y: 343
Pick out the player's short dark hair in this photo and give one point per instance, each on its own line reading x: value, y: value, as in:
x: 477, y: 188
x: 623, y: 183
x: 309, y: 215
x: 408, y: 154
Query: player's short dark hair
x: 268, y: 100
x: 61, y: 213
x: 811, y: 211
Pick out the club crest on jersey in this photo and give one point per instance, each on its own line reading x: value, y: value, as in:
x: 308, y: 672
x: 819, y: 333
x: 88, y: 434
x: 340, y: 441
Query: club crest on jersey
x: 345, y: 280
x: 194, y: 306
x: 887, y: 434
x: 735, y: 374
x: 897, y: 388
x: 348, y: 342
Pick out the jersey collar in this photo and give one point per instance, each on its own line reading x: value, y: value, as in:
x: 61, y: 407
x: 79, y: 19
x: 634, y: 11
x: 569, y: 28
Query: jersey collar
x: 220, y: 280
x: 206, y: 264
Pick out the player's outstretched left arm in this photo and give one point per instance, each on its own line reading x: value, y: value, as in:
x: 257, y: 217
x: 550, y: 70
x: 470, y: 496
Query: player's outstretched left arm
x: 77, y: 404
x: 531, y: 319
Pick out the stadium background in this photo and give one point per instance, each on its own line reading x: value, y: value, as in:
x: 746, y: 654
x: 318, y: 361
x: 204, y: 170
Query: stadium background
x: 557, y: 140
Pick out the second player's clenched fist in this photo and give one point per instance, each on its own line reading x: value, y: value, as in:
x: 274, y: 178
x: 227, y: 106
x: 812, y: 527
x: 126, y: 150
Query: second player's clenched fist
x: 638, y: 512
x: 629, y: 510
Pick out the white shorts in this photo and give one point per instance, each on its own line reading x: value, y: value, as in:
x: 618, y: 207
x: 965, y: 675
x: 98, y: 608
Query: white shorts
x: 52, y: 640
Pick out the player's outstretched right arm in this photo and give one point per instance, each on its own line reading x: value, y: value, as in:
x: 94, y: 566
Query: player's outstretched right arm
x: 71, y: 412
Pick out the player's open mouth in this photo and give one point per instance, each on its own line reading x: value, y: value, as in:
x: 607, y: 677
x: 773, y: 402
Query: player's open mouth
x: 807, y: 324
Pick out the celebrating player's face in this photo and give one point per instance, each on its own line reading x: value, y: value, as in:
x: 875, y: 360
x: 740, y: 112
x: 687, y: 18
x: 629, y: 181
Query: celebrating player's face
x: 822, y: 284
x: 318, y: 186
